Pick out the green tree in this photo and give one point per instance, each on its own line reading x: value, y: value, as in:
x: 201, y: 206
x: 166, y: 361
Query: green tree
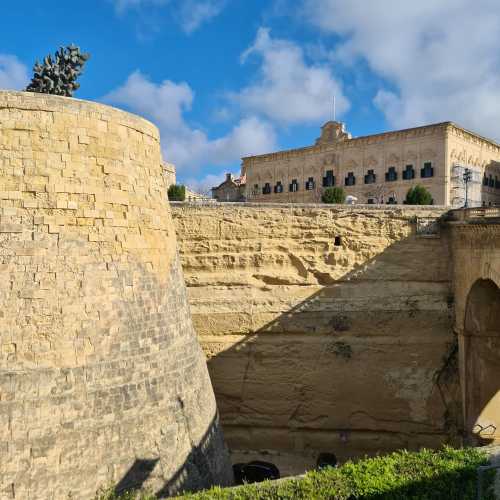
x: 177, y: 192
x: 418, y: 195
x: 333, y: 195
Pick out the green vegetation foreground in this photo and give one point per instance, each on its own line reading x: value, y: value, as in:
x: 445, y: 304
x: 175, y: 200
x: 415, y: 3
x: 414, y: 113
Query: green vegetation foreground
x: 449, y: 474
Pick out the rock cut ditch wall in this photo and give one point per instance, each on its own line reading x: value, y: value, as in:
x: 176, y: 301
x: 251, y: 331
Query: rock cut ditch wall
x: 102, y: 380
x: 325, y: 329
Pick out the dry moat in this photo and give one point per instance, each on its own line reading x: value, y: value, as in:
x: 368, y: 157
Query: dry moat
x: 351, y: 330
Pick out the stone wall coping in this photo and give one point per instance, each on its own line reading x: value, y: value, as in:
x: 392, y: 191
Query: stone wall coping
x: 34, y: 101
x: 352, y: 208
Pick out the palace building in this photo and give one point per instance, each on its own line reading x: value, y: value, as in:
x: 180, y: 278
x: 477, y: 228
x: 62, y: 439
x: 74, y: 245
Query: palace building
x: 380, y: 168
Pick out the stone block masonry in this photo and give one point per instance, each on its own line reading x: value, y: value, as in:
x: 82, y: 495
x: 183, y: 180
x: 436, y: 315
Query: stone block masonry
x: 102, y: 380
x: 327, y: 329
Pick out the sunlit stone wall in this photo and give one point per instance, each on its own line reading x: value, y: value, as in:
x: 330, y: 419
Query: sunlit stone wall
x: 102, y: 380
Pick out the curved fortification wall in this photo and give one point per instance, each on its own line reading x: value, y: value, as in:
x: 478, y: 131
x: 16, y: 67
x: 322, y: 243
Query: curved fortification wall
x: 102, y: 380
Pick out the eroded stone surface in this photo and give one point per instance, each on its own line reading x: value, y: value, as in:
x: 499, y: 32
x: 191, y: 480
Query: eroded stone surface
x: 326, y: 329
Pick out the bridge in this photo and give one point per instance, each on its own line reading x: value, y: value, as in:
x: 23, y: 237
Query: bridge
x: 475, y: 244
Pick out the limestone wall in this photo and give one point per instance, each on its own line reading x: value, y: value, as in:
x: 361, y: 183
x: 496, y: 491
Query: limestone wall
x: 102, y: 380
x: 325, y: 329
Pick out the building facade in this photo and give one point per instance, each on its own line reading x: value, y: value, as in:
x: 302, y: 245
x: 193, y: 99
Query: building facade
x: 380, y: 168
x: 169, y: 173
x: 193, y: 196
x: 230, y: 190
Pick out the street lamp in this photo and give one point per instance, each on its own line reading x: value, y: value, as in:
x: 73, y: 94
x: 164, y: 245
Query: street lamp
x: 467, y: 178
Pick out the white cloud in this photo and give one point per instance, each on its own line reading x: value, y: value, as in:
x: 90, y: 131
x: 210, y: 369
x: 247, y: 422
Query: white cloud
x: 13, y: 73
x: 441, y: 58
x: 190, y: 148
x: 190, y: 14
x: 288, y: 90
x: 205, y: 184
x: 123, y: 5
x: 193, y: 13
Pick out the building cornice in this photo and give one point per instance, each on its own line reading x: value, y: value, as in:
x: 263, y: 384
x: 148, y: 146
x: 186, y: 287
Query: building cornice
x: 472, y: 137
x: 366, y: 140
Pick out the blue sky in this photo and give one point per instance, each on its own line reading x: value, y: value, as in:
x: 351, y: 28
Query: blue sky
x: 227, y: 78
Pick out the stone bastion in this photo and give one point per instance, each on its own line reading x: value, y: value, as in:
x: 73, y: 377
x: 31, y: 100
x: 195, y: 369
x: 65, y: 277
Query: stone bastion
x: 102, y: 380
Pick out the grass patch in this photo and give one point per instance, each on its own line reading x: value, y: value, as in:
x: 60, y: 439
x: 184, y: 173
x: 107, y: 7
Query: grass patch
x: 426, y: 475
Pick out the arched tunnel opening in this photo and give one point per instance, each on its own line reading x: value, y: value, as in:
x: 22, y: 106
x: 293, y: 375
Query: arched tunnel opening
x: 482, y: 363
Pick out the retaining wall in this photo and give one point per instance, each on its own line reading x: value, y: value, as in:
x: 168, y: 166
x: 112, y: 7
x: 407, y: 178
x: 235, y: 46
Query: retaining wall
x: 325, y: 328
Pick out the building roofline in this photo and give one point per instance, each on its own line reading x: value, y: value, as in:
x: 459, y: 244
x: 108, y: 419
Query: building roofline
x: 380, y: 134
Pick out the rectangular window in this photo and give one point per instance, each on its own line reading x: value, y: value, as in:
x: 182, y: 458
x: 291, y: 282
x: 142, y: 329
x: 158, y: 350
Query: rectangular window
x: 328, y: 179
x: 310, y: 184
x: 408, y: 173
x: 267, y: 188
x: 391, y: 175
x: 370, y: 177
x: 278, y: 188
x: 350, y: 180
x: 427, y: 171
x: 294, y: 186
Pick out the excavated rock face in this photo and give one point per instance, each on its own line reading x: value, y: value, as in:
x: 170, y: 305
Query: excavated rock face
x: 102, y: 380
x: 327, y: 329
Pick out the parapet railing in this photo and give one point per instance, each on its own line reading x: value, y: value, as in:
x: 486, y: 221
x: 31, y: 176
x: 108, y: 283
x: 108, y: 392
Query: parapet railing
x: 474, y: 214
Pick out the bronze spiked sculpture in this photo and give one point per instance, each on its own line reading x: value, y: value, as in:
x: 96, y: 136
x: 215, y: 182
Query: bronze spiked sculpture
x: 58, y: 75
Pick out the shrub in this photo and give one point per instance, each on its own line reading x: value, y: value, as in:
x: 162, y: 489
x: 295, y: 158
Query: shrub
x: 424, y: 475
x: 418, y: 195
x: 333, y: 195
x: 177, y: 192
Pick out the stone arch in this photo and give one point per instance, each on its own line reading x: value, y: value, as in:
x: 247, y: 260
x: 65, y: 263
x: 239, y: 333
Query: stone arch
x: 482, y: 362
